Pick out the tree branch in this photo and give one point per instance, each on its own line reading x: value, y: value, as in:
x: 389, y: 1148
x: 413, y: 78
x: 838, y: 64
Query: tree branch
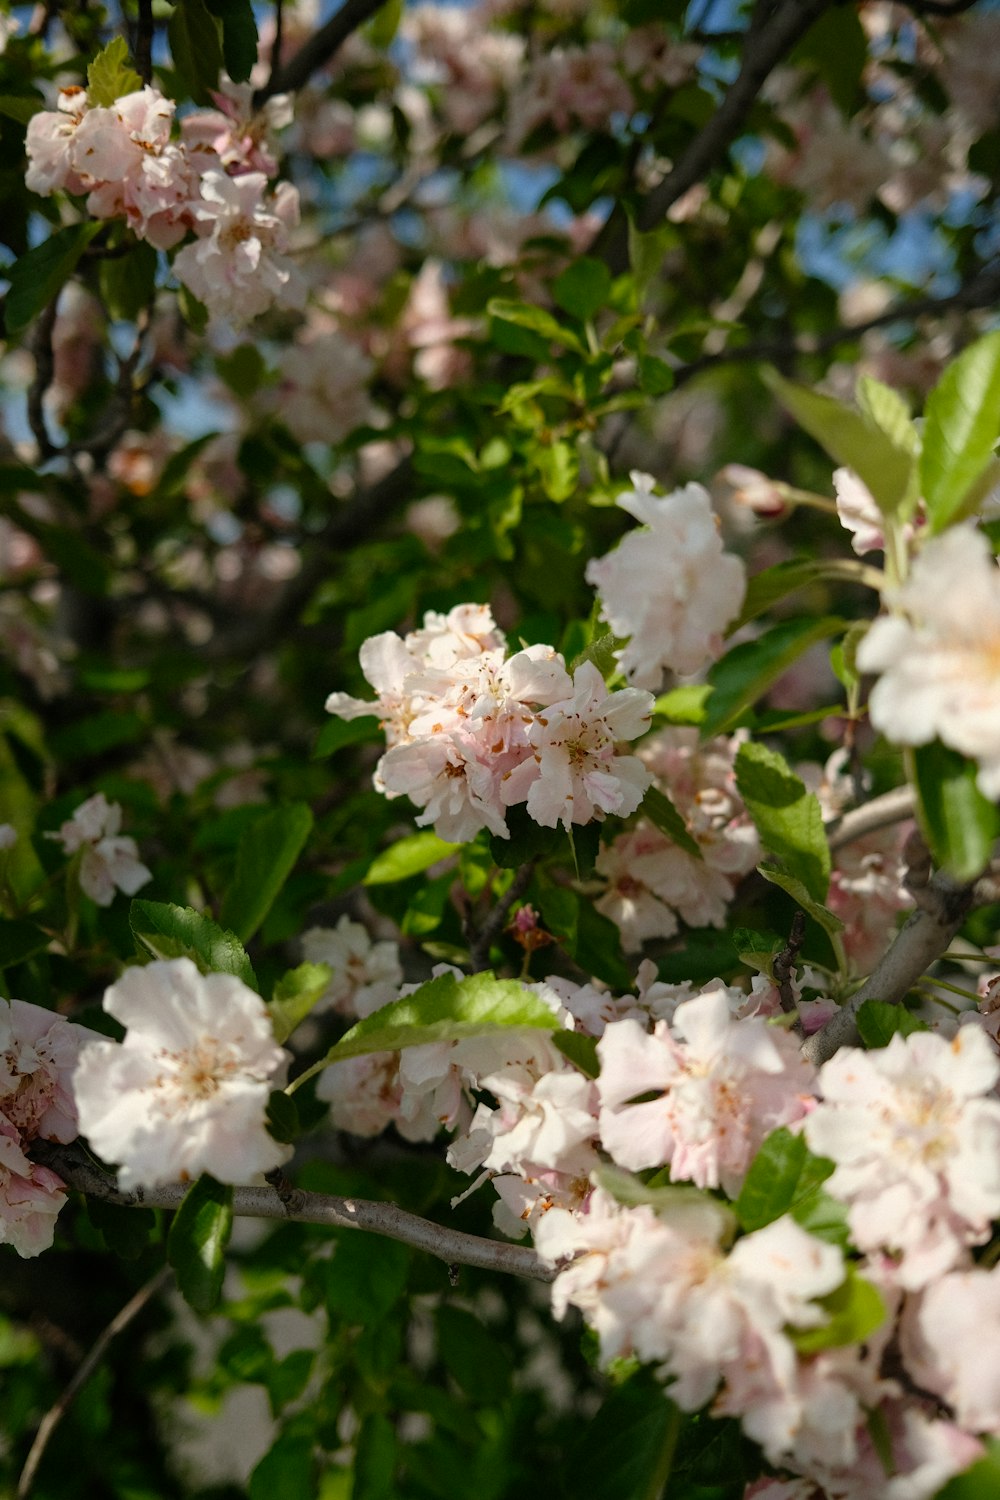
x: 319, y: 49
x: 768, y: 42
x: 880, y: 812
x: 479, y: 954
x: 452, y: 1246
x: 87, y: 1366
x: 144, y: 41
x: 921, y: 940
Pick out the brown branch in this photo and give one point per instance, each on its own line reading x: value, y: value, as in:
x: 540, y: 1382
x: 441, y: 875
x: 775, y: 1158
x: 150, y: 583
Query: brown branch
x: 892, y: 807
x: 768, y: 42
x: 452, y: 1246
x: 88, y: 1365
x: 144, y: 41
x: 784, y: 962
x: 319, y: 49
x: 279, y: 27
x: 920, y: 942
x: 939, y: 7
x: 41, y: 348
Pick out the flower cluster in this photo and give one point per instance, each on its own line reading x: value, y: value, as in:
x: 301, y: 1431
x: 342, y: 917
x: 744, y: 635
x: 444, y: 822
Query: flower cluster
x: 213, y: 181
x: 472, y: 731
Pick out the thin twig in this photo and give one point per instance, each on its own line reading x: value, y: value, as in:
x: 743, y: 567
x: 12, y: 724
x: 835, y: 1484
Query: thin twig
x: 319, y: 49
x: 44, y: 356
x: 784, y: 962
x: 452, y: 1246
x: 279, y: 26
x: 479, y: 952
x: 88, y: 1365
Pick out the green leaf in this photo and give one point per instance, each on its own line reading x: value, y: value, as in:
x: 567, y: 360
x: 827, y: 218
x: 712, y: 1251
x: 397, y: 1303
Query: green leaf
x: 166, y: 931
x: 381, y: 29
x: 958, y: 822
x: 287, y: 1468
x: 655, y: 376
x: 128, y: 282
x: 583, y: 288
x: 828, y: 920
x: 856, y: 1310
x: 126, y: 1231
x: 746, y: 672
x: 442, y: 1010
x: 535, y: 320
x: 40, y: 274
x: 239, y: 36
x: 265, y: 857
x: 20, y: 940
x: 878, y: 1022
x: 684, y: 705
x: 781, y: 1174
x: 580, y: 1050
x: 196, y: 49
x: 628, y: 1440
x: 771, y: 585
x: 528, y: 841
x: 374, y: 1460
x: 475, y: 1358
x: 194, y: 313
x: 340, y: 732
x: 851, y: 438
x: 295, y: 994
x: 664, y: 1198
x: 961, y: 426
x: 788, y: 818
x: 110, y: 77
x: 282, y: 1117
x: 366, y: 1278
x: 890, y: 413
x: 21, y: 107
x: 661, y: 812
x: 408, y: 856
x: 196, y: 1244
x: 559, y: 467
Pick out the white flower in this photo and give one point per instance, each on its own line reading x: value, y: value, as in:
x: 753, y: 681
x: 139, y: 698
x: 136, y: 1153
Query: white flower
x: 915, y: 1133
x: 670, y: 586
x: 30, y: 1197
x: 939, y: 654
x: 38, y: 1052
x: 110, y: 861
x: 366, y: 975
x: 186, y: 1091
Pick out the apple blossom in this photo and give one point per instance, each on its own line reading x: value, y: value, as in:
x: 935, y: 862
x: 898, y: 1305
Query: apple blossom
x: 936, y: 654
x: 238, y: 266
x: 109, y: 860
x: 366, y: 975
x: 671, y: 587
x: 30, y: 1197
x: 186, y: 1091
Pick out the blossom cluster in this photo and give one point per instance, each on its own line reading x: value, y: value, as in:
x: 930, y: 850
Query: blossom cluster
x: 212, y: 181
x: 691, y: 1085
x: 472, y: 731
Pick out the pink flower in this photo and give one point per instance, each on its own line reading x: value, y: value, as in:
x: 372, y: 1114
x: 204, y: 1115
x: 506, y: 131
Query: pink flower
x: 238, y: 267
x: 125, y: 156
x: 30, y: 1197
x: 945, y: 1349
x: 575, y: 773
x: 49, y: 142
x: 915, y: 1132
x: 366, y: 975
x: 38, y: 1052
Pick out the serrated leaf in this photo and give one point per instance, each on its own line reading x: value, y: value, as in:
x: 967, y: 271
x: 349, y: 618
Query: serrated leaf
x: 239, y: 36
x: 166, y: 931
x: 39, y: 274
x: 110, y: 76
x: 444, y: 1009
x: 583, y: 288
x: 295, y: 994
x: 407, y: 857
x: 787, y: 816
x: 536, y: 320
x: 746, y: 672
x: 662, y: 813
x: 850, y: 438
x: 958, y: 822
x: 855, y: 1309
x: 265, y: 857
x: 961, y: 427
x: 580, y: 1050
x: 878, y: 1022
x: 196, y: 49
x: 828, y: 920
x: 196, y: 1244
